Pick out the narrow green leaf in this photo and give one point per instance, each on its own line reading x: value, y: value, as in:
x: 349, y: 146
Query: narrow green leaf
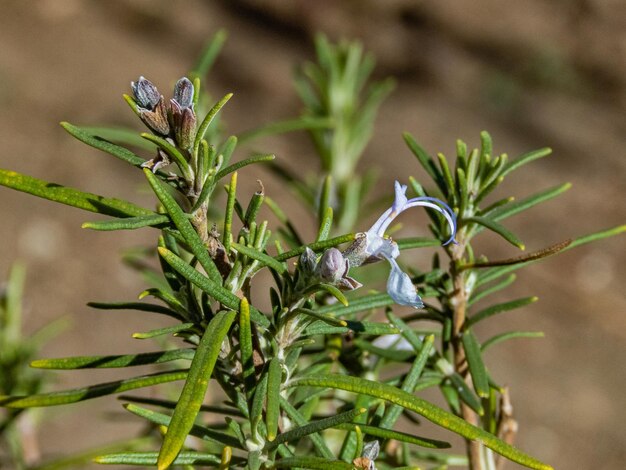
x: 325, y: 225
x: 313, y: 463
x: 248, y: 161
x: 170, y: 405
x: 445, y: 170
x: 206, y: 122
x: 494, y: 226
x: 227, y: 236
x: 475, y: 297
x: 317, y: 246
x: 331, y: 320
x: 201, y: 432
x: 499, y: 308
x: 510, y: 335
x: 393, y: 412
x: 184, y: 225
x: 324, y: 199
x: 93, y: 391
x: 316, y: 426
x: 319, y: 443
x: 383, y: 433
x: 130, y: 223
x: 141, y: 306
x: 508, y: 210
x: 118, y: 135
x: 422, y: 407
x: 245, y: 347
x: 272, y: 410
x: 525, y: 158
x: 216, y: 291
x: 596, y: 236
x: 332, y: 290
x: 426, y: 161
x: 71, y: 197
x: 475, y: 363
x: 193, y: 393
x: 361, y: 327
x: 489, y: 275
x: 209, y: 54
x: 227, y: 148
x: 357, y: 305
x: 126, y: 360
x: 149, y: 459
x: 164, y: 331
x: 416, y: 242
x: 256, y: 408
x: 262, y: 258
x: 100, y: 143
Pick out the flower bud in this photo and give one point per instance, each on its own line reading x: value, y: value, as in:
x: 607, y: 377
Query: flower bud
x: 146, y: 94
x: 307, y: 261
x: 183, y: 93
x: 332, y: 266
x: 156, y: 120
x: 184, y: 123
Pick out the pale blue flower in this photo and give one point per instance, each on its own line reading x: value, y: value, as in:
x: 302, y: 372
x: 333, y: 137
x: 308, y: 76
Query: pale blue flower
x: 399, y: 285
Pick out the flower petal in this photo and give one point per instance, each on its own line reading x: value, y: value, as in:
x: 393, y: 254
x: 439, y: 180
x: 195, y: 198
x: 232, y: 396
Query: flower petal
x: 400, y: 288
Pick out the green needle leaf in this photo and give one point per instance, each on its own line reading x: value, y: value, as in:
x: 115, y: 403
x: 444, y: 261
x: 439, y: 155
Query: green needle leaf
x: 126, y: 360
x: 192, y: 396
x: 117, y: 135
x: 499, y: 308
x: 426, y: 161
x: 524, y: 159
x: 316, y: 426
x: 84, y: 135
x: 262, y: 258
x: 197, y: 431
x: 216, y: 291
x: 476, y: 365
x: 71, y: 197
x: 395, y: 435
x: 184, y: 225
x: 130, y: 223
x: 248, y: 161
x: 149, y: 459
x: 494, y: 226
x: 209, y: 54
x: 93, y: 391
x: 164, y: 331
x: 207, y: 121
x: 274, y: 378
x: 319, y: 443
x: 317, y: 246
x: 246, y: 348
x: 423, y: 408
x: 510, y: 335
x: 513, y: 208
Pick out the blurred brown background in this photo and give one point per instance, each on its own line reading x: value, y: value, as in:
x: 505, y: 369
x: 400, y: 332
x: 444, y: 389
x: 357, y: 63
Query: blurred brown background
x: 534, y: 73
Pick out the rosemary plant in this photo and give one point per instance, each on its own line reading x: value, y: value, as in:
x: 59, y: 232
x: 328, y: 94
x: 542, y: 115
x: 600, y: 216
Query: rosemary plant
x: 311, y: 376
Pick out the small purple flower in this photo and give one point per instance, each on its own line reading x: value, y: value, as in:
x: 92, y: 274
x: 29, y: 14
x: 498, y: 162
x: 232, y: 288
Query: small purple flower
x: 376, y: 246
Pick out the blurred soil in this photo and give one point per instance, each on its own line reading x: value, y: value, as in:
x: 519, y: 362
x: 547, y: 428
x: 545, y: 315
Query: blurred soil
x: 534, y: 73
